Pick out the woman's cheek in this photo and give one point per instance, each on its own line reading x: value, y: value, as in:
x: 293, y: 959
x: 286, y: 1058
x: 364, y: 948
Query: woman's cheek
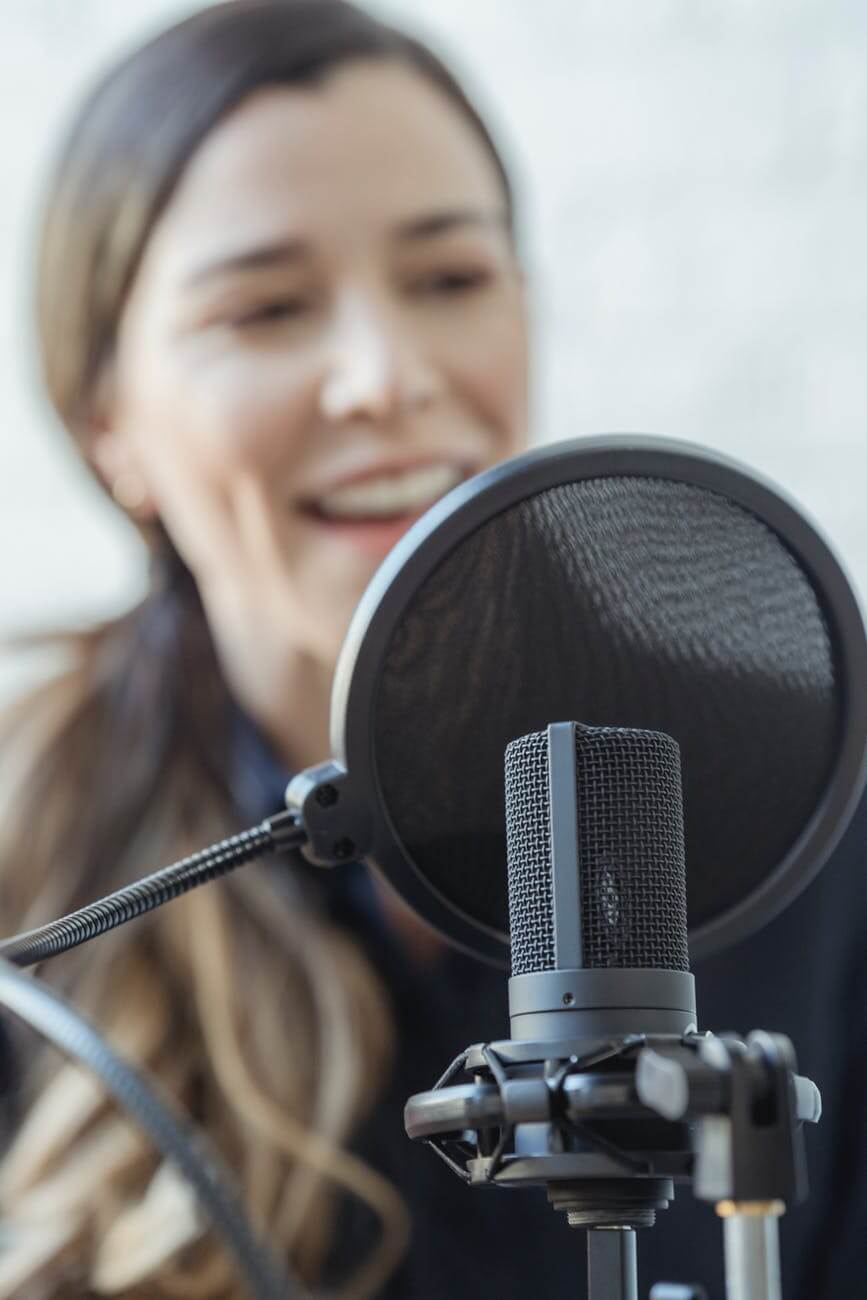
x: 492, y: 369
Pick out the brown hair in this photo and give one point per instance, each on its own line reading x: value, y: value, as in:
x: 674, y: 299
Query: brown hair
x: 122, y: 762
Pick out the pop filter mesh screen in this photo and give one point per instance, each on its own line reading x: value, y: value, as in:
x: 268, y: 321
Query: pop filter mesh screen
x: 615, y: 601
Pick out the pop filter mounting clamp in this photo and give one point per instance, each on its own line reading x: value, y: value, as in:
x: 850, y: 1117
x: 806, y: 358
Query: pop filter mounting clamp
x: 609, y: 1131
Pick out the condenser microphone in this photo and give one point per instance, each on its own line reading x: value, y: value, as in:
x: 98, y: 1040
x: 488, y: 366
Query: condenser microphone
x: 597, y: 884
x: 597, y: 902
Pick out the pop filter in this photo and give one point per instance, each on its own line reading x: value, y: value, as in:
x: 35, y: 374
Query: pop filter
x: 621, y: 581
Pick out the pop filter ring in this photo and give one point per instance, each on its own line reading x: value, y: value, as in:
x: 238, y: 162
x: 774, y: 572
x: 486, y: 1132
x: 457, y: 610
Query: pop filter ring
x: 479, y: 500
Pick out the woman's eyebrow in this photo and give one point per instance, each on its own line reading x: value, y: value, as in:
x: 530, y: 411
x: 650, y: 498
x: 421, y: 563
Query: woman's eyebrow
x: 438, y: 223
x: 248, y: 259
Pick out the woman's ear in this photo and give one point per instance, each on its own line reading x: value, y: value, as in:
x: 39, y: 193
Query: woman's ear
x: 113, y: 455
x: 114, y: 459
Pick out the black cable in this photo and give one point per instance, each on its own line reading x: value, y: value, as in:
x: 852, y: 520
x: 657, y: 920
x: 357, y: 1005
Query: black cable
x: 176, y: 1137
x: 281, y: 832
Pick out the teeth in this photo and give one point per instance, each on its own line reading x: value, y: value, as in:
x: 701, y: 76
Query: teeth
x: 390, y: 494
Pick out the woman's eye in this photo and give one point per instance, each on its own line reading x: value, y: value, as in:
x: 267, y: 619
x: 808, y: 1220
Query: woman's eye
x: 451, y: 282
x: 269, y: 312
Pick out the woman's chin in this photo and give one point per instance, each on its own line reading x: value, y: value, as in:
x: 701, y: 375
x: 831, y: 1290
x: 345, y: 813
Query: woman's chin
x: 340, y: 559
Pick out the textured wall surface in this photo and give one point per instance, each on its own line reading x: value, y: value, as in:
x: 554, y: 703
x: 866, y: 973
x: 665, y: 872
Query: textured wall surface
x: 694, y: 181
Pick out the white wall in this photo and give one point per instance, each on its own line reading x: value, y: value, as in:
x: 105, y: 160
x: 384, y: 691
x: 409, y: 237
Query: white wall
x: 695, y: 182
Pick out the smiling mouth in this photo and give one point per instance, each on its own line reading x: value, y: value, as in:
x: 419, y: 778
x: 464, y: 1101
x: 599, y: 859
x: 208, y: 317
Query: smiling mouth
x: 385, y: 498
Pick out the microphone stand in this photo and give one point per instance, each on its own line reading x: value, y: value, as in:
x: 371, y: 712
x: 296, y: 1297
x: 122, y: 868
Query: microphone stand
x: 612, y: 1271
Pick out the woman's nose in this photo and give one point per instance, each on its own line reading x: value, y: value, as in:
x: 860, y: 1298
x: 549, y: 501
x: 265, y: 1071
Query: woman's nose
x: 376, y: 370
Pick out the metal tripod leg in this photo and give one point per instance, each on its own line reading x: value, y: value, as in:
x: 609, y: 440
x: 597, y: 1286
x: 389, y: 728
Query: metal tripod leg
x: 752, y: 1250
x: 612, y: 1272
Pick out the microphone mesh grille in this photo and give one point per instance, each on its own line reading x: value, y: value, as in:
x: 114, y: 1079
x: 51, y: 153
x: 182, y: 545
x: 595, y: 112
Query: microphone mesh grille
x: 528, y: 849
x: 630, y: 843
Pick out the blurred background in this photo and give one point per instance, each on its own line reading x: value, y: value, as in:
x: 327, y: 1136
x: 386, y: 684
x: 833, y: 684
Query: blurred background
x: 693, y: 190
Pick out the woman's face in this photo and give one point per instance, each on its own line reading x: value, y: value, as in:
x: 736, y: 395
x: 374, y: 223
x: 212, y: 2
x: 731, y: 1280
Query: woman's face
x: 326, y: 333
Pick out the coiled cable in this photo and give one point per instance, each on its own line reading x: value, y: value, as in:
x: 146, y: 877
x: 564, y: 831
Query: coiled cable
x: 175, y: 1136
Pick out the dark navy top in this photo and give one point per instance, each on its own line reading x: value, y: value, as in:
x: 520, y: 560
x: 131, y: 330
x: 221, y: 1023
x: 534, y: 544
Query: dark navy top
x: 804, y: 975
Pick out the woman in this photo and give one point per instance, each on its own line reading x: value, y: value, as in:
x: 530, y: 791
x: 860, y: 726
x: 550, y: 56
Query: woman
x: 281, y: 310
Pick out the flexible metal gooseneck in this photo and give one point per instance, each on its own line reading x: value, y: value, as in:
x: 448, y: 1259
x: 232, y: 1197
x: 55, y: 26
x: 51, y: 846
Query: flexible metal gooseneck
x: 278, y: 833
